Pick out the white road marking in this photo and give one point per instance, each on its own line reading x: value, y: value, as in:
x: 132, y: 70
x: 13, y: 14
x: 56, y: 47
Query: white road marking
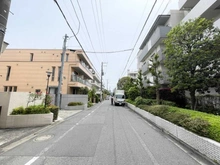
x: 47, y: 148
x: 32, y: 160
x: 153, y: 159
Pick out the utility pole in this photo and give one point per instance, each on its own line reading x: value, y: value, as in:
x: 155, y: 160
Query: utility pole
x: 61, y: 71
x: 101, y: 80
x: 107, y: 85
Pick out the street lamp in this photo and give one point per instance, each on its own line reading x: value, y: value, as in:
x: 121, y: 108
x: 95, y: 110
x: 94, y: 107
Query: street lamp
x: 48, y: 76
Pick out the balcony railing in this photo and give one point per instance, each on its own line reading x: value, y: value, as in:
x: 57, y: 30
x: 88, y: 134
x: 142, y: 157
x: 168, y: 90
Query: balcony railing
x: 75, y: 78
x: 86, y: 67
x: 159, y: 34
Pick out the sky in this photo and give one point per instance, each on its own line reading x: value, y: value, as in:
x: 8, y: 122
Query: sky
x: 101, y: 26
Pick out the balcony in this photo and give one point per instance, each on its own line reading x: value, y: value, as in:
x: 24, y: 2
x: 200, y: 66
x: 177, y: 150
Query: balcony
x: 209, y: 9
x: 144, y: 68
x: 95, y: 84
x: 75, y: 78
x: 187, y: 4
x: 82, y: 69
x: 157, y: 37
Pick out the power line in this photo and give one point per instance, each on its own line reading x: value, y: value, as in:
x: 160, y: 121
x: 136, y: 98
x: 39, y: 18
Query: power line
x: 76, y: 15
x: 87, y: 28
x: 72, y: 18
x: 116, y: 51
x: 71, y: 28
x: 139, y: 35
x: 96, y: 25
x: 156, y: 15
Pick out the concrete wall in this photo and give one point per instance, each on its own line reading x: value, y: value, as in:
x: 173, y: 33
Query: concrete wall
x: 74, y: 98
x: 11, y: 100
x: 207, y: 147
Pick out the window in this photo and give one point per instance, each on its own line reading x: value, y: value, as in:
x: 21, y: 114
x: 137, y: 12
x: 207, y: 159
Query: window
x: 67, y: 57
x: 53, y: 73
x: 31, y: 56
x: 10, y: 88
x: 5, y: 88
x: 8, y: 73
x: 59, y: 72
x: 15, y: 89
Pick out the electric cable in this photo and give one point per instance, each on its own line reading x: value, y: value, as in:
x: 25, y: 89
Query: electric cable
x: 71, y: 29
x: 87, y: 29
x: 116, y: 51
x: 139, y: 35
x: 76, y: 15
x: 157, y: 12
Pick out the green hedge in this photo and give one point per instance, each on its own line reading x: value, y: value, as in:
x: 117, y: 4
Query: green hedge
x: 33, y: 109
x: 36, y: 109
x: 74, y: 103
x: 203, y: 124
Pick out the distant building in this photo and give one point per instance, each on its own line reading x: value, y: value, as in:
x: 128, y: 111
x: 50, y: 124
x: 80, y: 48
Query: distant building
x: 24, y: 70
x: 132, y: 74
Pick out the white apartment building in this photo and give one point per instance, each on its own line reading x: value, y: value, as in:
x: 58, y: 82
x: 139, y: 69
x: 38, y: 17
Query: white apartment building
x: 209, y: 9
x: 153, y: 44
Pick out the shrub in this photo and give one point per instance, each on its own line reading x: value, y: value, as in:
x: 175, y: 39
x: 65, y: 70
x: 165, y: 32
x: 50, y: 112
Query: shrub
x: 144, y: 107
x: 54, y: 109
x: 74, y: 103
x: 34, y: 109
x: 130, y: 101
x: 138, y: 100
x: 164, y: 102
x: 133, y: 92
x: 198, y: 126
x: 190, y: 120
x: 89, y: 104
x: 18, y: 111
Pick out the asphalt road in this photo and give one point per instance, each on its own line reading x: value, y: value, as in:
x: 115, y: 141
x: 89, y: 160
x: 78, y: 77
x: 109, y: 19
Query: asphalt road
x: 102, y: 135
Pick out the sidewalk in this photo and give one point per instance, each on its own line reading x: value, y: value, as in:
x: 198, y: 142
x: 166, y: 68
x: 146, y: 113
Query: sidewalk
x: 11, y: 135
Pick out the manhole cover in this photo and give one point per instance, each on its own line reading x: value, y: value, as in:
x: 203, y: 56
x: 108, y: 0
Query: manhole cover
x: 43, y: 138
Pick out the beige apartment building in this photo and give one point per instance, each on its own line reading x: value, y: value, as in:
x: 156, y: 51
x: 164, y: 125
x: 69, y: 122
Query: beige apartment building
x: 24, y: 70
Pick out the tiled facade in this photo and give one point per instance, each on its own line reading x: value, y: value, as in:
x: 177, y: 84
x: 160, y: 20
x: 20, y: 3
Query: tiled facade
x: 24, y: 70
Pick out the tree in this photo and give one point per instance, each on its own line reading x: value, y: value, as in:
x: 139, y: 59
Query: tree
x: 125, y: 83
x: 140, y: 82
x: 193, y: 56
x: 156, y: 73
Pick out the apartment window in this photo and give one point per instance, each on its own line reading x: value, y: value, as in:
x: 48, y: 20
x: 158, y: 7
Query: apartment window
x: 8, y: 73
x: 59, y: 72
x: 31, y: 56
x: 10, y: 88
x: 53, y: 73
x: 15, y: 89
x: 67, y: 57
x: 5, y: 88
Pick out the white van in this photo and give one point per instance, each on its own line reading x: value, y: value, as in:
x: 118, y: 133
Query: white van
x: 119, y: 97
